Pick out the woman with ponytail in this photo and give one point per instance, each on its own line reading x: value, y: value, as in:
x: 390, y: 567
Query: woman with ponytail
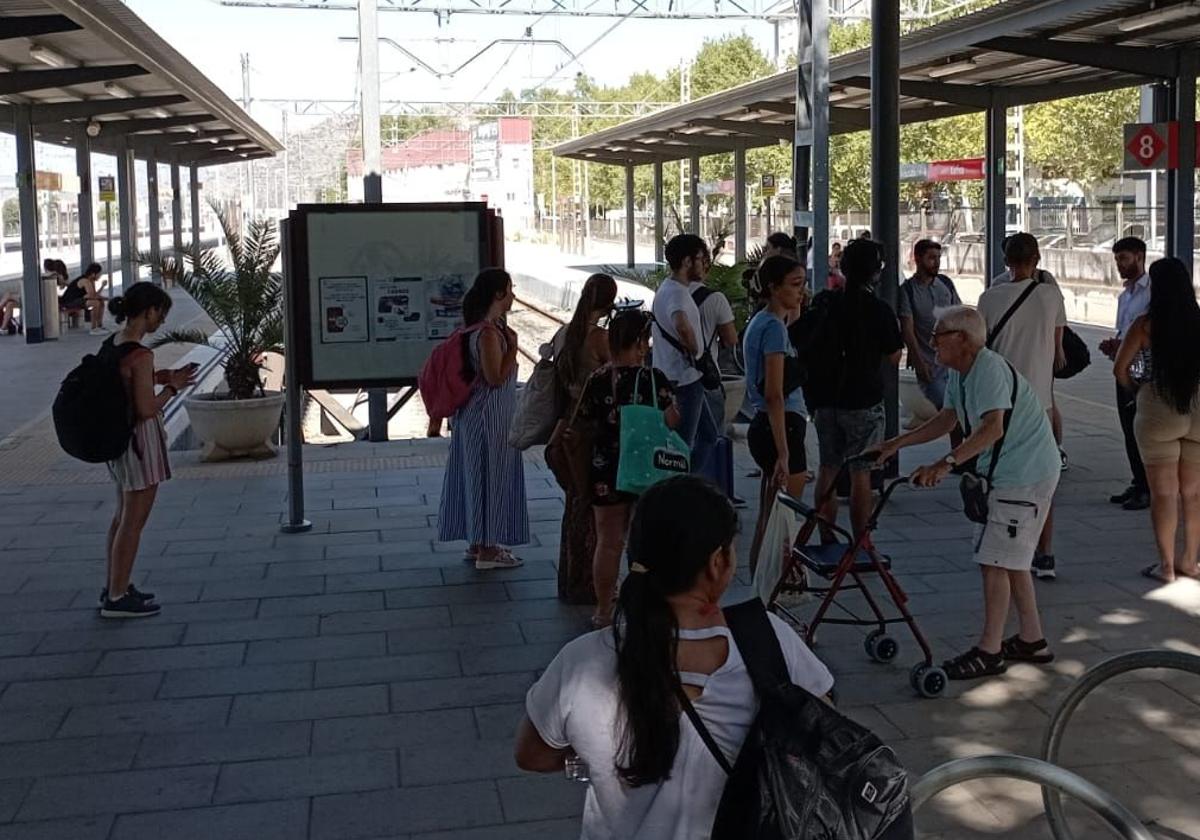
x: 145, y: 465
x: 483, y: 495
x: 610, y: 697
x: 579, y: 348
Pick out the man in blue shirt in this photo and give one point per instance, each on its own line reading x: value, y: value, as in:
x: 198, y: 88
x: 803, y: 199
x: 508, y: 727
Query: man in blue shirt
x: 979, y: 399
x: 1130, y: 256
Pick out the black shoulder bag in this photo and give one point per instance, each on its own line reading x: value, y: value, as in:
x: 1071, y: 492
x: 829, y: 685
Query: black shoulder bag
x: 805, y: 771
x: 710, y: 374
x: 1012, y: 310
x: 973, y: 487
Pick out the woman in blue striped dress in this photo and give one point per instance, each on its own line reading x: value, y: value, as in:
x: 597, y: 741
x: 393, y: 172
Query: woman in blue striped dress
x: 483, y: 495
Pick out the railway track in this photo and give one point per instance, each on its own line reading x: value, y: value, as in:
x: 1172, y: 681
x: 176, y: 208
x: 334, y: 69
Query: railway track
x: 534, y: 325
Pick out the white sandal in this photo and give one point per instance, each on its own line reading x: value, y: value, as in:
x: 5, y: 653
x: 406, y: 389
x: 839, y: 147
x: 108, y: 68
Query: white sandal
x: 501, y: 559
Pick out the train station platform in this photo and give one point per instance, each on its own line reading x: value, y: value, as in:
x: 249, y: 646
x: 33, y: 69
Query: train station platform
x: 362, y: 681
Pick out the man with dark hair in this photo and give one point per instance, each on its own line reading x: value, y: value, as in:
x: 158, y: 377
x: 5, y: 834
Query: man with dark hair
x: 921, y: 295
x: 1130, y: 256
x: 847, y: 338
x: 678, y: 343
x: 1025, y: 319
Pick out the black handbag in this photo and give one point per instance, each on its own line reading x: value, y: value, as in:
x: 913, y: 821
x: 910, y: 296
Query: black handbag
x: 1077, y: 353
x: 973, y: 487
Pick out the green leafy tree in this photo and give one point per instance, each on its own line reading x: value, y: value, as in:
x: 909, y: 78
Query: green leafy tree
x: 1080, y: 139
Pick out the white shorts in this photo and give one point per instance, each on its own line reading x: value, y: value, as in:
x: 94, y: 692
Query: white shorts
x: 1016, y: 516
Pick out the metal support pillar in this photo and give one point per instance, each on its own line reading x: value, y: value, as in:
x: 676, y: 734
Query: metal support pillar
x: 87, y: 212
x: 694, y: 196
x: 995, y: 209
x: 194, y: 199
x: 820, y: 144
x: 31, y: 270
x: 368, y: 68
x: 659, y: 232
x: 885, y: 169
x: 126, y: 213
x: 740, y: 216
x: 155, y: 221
x: 176, y: 214
x: 1184, y: 200
x: 630, y: 227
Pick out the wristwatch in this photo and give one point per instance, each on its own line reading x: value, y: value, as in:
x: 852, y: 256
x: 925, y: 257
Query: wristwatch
x: 950, y: 461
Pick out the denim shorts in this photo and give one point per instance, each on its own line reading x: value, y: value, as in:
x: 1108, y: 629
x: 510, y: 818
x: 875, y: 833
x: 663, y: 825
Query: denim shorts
x: 843, y: 433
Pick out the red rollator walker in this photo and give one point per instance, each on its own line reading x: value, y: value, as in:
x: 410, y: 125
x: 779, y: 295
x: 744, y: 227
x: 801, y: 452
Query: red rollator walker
x: 843, y: 566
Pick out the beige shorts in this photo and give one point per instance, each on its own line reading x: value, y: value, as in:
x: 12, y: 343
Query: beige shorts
x: 1165, y: 436
x: 1016, y: 516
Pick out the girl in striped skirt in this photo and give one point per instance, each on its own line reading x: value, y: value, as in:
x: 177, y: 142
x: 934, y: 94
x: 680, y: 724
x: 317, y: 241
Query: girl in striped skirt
x: 483, y: 495
x: 144, y: 465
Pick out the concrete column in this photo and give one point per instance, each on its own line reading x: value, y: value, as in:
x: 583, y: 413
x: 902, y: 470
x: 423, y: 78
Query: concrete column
x: 155, y: 221
x: 194, y: 199
x: 176, y: 213
x: 126, y: 221
x: 31, y: 270
x: 630, y: 227
x: 659, y: 231
x: 694, y: 196
x: 1183, y: 211
x: 740, y: 216
x: 885, y: 169
x: 87, y: 210
x: 995, y: 210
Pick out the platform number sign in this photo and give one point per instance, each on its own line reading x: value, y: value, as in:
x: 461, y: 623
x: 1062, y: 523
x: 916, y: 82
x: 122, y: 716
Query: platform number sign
x: 1154, y: 146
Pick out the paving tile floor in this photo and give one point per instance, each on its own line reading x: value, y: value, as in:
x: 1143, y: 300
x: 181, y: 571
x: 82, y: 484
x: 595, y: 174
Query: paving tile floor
x: 362, y: 681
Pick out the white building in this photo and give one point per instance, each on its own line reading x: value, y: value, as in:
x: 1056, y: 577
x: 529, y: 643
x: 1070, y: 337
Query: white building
x: 502, y: 169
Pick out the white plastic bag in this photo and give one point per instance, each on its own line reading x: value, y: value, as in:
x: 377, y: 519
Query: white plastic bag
x: 539, y: 402
x: 778, y: 538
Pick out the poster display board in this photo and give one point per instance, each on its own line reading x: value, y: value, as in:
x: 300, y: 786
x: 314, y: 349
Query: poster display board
x: 375, y: 287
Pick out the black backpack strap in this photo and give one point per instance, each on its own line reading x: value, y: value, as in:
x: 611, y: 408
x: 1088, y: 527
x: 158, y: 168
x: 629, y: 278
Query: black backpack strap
x: 701, y: 294
x: 912, y: 298
x: 757, y: 643
x: 949, y: 284
x: 1012, y: 310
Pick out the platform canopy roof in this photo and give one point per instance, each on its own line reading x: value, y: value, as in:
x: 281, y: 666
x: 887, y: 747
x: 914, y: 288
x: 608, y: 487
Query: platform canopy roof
x: 1015, y: 53
x: 94, y: 66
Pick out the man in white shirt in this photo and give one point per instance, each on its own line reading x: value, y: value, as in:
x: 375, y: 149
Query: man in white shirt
x: 1025, y: 320
x: 1130, y: 256
x: 716, y: 331
x: 678, y: 342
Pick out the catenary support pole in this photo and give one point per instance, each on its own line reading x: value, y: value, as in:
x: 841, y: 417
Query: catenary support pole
x: 658, y: 211
x: 630, y: 227
x: 87, y: 211
x: 31, y: 271
x: 740, y: 216
x: 694, y: 196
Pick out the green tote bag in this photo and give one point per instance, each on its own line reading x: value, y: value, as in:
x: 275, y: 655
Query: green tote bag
x: 650, y: 451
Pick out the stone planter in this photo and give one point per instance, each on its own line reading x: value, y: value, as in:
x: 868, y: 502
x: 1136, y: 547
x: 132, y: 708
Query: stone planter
x: 914, y: 402
x: 735, y: 395
x: 235, y: 428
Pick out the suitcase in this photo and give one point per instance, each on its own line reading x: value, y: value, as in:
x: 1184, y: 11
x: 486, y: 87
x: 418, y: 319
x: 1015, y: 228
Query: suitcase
x: 719, y: 469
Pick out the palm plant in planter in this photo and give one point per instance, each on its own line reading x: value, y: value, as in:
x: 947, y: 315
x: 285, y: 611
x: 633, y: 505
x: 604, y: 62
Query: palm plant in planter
x: 242, y: 294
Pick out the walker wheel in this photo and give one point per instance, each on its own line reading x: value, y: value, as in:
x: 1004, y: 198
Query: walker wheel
x: 927, y: 680
x: 881, y: 647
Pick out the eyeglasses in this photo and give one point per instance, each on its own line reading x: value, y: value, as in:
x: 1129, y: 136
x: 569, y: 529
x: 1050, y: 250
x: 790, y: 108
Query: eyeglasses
x: 940, y: 334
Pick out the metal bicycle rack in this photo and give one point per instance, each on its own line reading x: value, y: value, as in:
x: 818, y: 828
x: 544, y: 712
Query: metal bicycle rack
x: 1093, y: 678
x: 1049, y: 776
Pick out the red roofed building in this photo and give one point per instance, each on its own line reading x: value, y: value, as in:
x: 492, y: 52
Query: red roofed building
x: 431, y: 166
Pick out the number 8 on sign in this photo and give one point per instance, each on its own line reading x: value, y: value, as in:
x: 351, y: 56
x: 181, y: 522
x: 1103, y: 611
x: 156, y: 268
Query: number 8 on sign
x: 1146, y: 147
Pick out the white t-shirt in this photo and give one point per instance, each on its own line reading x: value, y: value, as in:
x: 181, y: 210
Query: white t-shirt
x: 715, y: 312
x: 1027, y: 340
x: 575, y: 704
x: 671, y: 297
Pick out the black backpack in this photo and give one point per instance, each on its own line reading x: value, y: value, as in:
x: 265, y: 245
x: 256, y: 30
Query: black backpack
x: 93, y: 416
x: 820, y: 346
x: 805, y: 771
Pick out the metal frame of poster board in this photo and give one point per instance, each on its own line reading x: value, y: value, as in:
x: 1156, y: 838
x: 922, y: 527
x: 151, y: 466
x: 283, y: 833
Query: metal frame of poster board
x: 303, y: 286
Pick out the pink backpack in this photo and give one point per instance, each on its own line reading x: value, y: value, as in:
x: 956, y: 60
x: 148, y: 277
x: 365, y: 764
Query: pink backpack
x: 443, y: 380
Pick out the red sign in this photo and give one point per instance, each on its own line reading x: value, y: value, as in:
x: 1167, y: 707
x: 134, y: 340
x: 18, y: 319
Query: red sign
x: 1146, y: 145
x: 968, y: 169
x: 1154, y: 145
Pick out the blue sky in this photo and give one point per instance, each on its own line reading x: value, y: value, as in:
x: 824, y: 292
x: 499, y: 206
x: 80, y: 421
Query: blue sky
x: 297, y: 53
